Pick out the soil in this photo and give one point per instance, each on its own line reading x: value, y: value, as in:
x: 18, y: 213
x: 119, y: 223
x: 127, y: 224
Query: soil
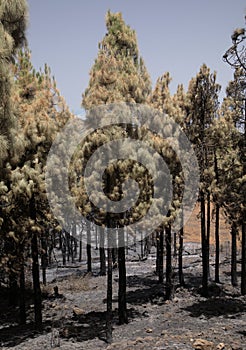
x: 75, y: 319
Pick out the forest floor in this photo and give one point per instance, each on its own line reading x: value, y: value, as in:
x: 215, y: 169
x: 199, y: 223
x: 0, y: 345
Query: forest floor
x: 76, y: 319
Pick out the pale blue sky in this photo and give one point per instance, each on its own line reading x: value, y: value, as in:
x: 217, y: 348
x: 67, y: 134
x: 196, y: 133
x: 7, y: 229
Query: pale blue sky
x: 173, y: 35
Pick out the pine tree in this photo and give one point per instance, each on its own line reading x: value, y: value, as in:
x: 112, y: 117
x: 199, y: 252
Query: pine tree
x: 13, y: 20
x: 119, y: 73
x: 40, y: 112
x: 203, y: 104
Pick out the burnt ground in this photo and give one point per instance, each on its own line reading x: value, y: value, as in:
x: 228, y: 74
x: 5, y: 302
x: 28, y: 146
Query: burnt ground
x: 76, y: 319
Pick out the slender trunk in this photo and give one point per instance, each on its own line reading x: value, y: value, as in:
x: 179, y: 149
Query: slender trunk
x: 22, y: 297
x: 208, y: 230
x: 44, y: 258
x: 64, y: 248
x: 169, y: 286
x: 243, y: 271
x: 217, y: 225
x: 204, y: 246
x: 13, y: 289
x: 109, y: 314
x: 141, y: 246
x: 88, y: 246
x: 102, y: 251
x: 160, y: 255
x: 96, y: 232
x: 157, y: 252
x: 181, y: 247
x: 217, y: 243
x: 234, y: 254
x: 67, y: 235
x: 36, y: 283
x: 175, y: 244
x: 122, y: 308
x: 35, y: 271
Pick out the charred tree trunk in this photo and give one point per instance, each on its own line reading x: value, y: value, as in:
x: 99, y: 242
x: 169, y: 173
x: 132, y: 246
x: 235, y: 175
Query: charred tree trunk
x: 160, y: 255
x: 181, y: 247
x: 36, y: 283
x: 217, y: 225
x: 13, y: 289
x: 157, y: 252
x: 234, y: 255
x: 208, y: 230
x: 109, y: 314
x: 88, y: 246
x: 217, y: 243
x: 44, y: 258
x: 22, y: 296
x: 204, y: 245
x: 169, y: 286
x: 122, y: 308
x: 243, y: 271
x: 102, y: 251
x: 35, y: 271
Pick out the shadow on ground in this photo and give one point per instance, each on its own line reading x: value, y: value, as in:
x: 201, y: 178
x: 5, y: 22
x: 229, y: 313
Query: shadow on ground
x: 215, y: 307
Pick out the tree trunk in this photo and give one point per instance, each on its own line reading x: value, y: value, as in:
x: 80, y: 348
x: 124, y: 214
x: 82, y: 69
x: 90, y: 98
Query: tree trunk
x: 169, y: 286
x: 109, y: 291
x: 35, y: 271
x: 160, y: 255
x: 36, y: 283
x: 217, y: 243
x: 217, y: 225
x: 122, y: 308
x: 243, y: 271
x: 181, y: 247
x: 44, y: 259
x: 234, y: 255
x: 22, y: 296
x: 208, y: 230
x: 88, y: 246
x: 13, y: 289
x: 204, y: 246
x: 102, y: 251
x: 157, y: 252
x: 64, y: 248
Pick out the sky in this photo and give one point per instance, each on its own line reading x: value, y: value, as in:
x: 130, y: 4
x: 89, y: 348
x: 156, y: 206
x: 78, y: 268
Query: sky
x: 173, y: 35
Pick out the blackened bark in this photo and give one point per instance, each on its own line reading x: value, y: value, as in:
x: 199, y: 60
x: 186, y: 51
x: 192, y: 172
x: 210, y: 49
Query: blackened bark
x: 243, y: 271
x: 217, y: 243
x: 208, y: 230
x: 160, y: 255
x: 80, y: 249
x: 13, y: 289
x: 35, y: 271
x: 44, y: 258
x: 36, y: 283
x: 217, y: 225
x: 181, y: 247
x: 102, y: 251
x: 204, y: 246
x: 234, y: 254
x: 122, y: 307
x: 169, y: 286
x: 88, y: 246
x: 157, y: 252
x: 109, y: 291
x: 22, y: 296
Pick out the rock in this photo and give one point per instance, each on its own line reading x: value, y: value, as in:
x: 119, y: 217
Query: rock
x: 77, y: 311
x: 220, y: 346
x: 202, y: 344
x: 149, y: 330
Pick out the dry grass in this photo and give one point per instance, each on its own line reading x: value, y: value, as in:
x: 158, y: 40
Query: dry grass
x: 69, y: 284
